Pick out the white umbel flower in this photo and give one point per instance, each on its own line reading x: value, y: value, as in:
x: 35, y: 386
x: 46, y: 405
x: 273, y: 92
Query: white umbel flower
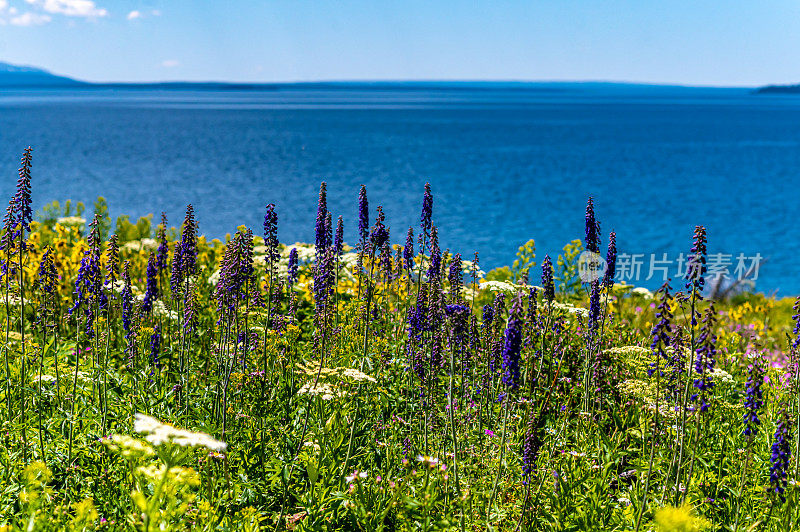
x: 158, y: 433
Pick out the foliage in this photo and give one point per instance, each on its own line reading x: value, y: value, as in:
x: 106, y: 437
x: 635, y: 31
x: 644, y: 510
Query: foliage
x: 362, y: 396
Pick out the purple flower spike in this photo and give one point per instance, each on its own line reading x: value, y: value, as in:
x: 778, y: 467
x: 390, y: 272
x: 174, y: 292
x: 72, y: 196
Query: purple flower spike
x: 513, y: 346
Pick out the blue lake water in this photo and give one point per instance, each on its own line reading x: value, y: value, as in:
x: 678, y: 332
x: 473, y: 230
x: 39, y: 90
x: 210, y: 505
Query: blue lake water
x: 506, y: 163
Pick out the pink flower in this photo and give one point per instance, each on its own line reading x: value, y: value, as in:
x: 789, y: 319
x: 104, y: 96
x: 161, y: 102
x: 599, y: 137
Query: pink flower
x: 489, y: 433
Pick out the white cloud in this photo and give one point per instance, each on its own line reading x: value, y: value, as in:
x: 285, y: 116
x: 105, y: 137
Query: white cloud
x: 155, y: 13
x: 30, y: 19
x: 70, y: 8
x: 134, y: 15
x: 170, y: 63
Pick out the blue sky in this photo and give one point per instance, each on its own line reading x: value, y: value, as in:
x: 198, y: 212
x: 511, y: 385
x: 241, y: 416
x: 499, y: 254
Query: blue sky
x: 711, y: 42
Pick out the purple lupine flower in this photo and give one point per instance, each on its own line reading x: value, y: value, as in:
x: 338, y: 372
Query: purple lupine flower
x: 436, y: 256
x: 513, y: 346
x: 488, y: 315
x: 676, y: 363
x: 190, y: 310
x: 363, y: 215
x: 127, y: 298
x: 459, y: 315
x: 292, y: 268
x: 127, y: 315
x: 176, y: 273
x: 338, y: 240
x: 460, y: 323
x: 532, y: 303
x: 662, y: 328
x: 323, y: 280
x: 706, y: 358
x: 437, y: 355
x: 696, y: 263
x: 271, y: 237
x: 112, y: 260
x: 163, y: 246
x: 611, y: 261
x: 8, y: 226
x: 456, y: 278
x: 46, y: 275
x: 151, y: 290
x: 398, y: 262
x: 592, y: 228
x: 547, y: 279
x: 418, y: 323
x: 754, y: 398
x: 379, y: 234
x: 226, y: 291
x: 89, y: 280
x: 322, y: 213
x: 246, y: 258
x: 427, y: 211
x: 23, y: 215
x: 386, y: 262
x: 408, y: 250
x: 236, y: 272
x: 188, y: 255
x: 594, y: 306
x: 781, y: 454
x: 328, y: 231
x: 532, y: 443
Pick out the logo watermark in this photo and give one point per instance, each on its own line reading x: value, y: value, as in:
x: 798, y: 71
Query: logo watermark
x: 637, y: 267
x: 591, y: 266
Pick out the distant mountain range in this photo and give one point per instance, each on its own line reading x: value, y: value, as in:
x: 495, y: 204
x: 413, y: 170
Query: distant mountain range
x: 25, y: 76
x: 779, y: 89
x: 12, y: 76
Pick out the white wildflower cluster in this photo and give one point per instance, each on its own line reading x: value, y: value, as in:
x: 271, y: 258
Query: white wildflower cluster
x: 500, y: 286
x: 305, y: 252
x: 140, y: 245
x: 572, y: 309
x: 158, y: 433
x: 350, y: 260
x: 721, y: 376
x: 628, y: 350
x: 644, y: 292
x: 117, y: 286
x: 466, y: 268
x: 323, y: 389
x: 160, y: 310
x: 622, y: 288
x: 44, y: 378
x: 71, y: 220
x: 356, y: 375
x: 352, y: 373
x: 127, y: 446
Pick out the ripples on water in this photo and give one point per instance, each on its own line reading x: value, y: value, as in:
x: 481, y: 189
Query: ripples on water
x: 506, y: 164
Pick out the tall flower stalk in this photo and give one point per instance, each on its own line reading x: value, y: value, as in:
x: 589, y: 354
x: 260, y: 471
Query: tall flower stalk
x: 660, y: 340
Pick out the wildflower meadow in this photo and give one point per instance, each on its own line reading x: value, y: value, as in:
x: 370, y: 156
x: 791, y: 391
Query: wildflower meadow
x: 153, y: 379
